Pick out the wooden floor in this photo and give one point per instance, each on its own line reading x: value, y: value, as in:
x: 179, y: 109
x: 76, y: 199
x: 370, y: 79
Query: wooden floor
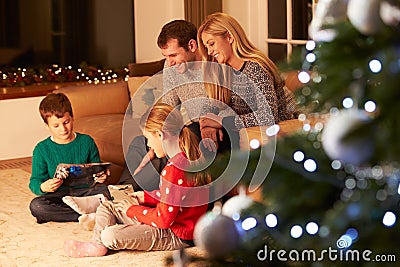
x: 20, y: 163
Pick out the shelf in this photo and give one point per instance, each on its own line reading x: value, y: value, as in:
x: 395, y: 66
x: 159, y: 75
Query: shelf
x: 33, y: 90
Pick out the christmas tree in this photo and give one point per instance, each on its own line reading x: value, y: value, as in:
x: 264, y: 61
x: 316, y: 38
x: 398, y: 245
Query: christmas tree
x: 332, y: 195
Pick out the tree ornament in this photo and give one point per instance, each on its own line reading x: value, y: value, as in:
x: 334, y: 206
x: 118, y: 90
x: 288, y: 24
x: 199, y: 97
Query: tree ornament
x: 236, y: 204
x: 364, y: 15
x: 390, y: 13
x: 327, y: 12
x: 216, y: 234
x: 348, y: 137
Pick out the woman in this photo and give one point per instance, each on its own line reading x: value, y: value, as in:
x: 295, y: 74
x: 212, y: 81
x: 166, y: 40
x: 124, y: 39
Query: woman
x: 162, y: 219
x: 247, y: 81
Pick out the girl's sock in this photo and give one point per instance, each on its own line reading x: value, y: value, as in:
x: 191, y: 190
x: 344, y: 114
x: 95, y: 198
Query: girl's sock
x: 84, y: 205
x: 77, y: 249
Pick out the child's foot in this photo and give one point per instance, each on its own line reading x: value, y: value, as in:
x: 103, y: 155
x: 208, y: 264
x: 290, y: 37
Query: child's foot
x: 87, y: 221
x: 77, y: 249
x: 84, y: 205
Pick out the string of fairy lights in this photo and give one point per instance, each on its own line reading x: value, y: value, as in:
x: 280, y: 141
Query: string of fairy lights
x: 13, y: 77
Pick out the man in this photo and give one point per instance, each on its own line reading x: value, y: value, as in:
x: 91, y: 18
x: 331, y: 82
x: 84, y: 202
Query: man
x: 183, y: 87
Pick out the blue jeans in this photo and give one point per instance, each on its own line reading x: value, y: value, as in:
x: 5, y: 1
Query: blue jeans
x: 50, y: 207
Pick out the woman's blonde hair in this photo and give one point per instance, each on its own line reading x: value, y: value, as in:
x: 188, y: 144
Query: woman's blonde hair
x: 165, y: 118
x: 221, y: 24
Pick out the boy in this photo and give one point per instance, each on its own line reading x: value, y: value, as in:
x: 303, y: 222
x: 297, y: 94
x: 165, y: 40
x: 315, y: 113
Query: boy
x: 63, y: 146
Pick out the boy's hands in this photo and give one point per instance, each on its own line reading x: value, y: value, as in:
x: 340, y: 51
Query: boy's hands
x: 101, y: 177
x: 61, y: 172
x: 51, y: 185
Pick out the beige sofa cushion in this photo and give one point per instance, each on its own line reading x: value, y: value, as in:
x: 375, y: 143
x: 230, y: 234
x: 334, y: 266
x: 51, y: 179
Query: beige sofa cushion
x: 135, y: 82
x: 111, y: 133
x: 97, y: 99
x: 144, y: 92
x: 106, y: 130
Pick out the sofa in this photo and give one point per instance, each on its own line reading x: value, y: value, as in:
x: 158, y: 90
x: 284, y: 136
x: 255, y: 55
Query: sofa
x: 104, y: 111
x: 110, y: 112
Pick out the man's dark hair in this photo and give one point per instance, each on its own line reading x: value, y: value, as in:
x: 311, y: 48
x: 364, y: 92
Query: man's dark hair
x: 181, y: 30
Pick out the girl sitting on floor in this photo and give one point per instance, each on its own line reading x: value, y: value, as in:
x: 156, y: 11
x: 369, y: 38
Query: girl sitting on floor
x: 162, y: 219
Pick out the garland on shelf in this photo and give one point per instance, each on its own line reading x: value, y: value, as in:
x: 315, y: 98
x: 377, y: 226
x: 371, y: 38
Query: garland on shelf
x: 14, y: 76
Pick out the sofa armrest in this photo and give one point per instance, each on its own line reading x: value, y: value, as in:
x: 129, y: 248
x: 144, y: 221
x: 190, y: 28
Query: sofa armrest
x: 97, y: 99
x: 287, y: 127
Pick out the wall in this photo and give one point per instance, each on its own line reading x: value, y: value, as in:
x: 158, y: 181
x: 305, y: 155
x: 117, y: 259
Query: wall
x: 22, y: 127
x: 22, y: 130
x: 150, y: 16
x: 38, y: 34
x: 251, y: 14
x: 113, y: 39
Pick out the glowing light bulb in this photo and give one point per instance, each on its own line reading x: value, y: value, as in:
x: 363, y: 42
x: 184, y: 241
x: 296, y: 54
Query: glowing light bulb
x: 249, y: 223
x: 336, y: 164
x: 236, y: 217
x: 389, y: 219
x: 302, y: 117
x: 370, y: 106
x: 310, y: 165
x: 298, y: 156
x: 296, y: 231
x: 271, y: 220
x: 310, y: 45
x: 311, y: 57
x: 254, y: 144
x: 306, y: 127
x: 312, y: 228
x: 348, y: 102
x: 375, y: 65
x: 304, y: 77
x: 273, y: 130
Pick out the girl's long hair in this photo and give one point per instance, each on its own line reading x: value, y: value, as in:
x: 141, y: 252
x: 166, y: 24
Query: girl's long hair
x: 165, y: 118
x: 221, y: 24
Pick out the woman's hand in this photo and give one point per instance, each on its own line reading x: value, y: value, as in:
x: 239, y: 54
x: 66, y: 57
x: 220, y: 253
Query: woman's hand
x: 210, y: 120
x: 51, y: 185
x: 209, y: 138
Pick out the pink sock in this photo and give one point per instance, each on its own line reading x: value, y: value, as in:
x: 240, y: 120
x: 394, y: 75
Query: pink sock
x: 77, y: 249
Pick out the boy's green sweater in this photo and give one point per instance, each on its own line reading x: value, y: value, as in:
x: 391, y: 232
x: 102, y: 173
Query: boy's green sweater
x: 48, y: 154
